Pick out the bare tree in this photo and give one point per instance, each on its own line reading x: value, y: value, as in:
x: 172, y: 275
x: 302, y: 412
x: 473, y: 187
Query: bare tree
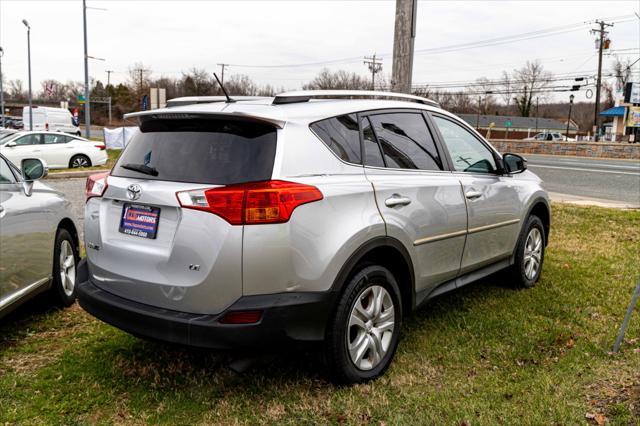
x: 530, y: 80
x: 338, y: 80
x: 197, y: 82
x: 16, y: 90
x: 240, y: 85
x: 139, y: 77
x: 482, y: 89
x: 506, y: 88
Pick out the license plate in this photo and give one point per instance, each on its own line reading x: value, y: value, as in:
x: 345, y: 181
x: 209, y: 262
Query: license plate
x: 140, y: 221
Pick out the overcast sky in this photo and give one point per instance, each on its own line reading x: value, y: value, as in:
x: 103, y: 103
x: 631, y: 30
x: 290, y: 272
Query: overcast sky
x: 171, y: 36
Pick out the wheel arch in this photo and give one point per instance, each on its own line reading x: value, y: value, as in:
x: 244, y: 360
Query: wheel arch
x: 68, y: 224
x: 540, y: 207
x: 390, y: 253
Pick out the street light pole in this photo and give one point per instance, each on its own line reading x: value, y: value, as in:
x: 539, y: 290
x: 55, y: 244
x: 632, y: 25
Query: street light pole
x: 87, y: 102
x: 569, y: 118
x: 1, y: 90
x: 26, y: 24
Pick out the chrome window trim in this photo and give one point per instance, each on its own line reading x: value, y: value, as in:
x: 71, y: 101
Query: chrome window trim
x: 464, y: 232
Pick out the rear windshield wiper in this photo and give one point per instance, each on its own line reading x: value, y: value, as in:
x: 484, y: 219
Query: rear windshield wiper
x: 141, y: 168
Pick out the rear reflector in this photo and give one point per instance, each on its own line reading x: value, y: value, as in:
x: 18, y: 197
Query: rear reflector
x: 241, y: 317
x: 252, y: 203
x: 96, y: 185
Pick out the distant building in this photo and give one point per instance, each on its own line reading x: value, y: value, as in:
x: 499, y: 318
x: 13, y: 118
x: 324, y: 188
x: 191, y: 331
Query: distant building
x: 514, y: 127
x: 625, y: 115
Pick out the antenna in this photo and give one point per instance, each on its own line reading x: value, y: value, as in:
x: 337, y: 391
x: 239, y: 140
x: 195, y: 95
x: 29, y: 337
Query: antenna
x: 229, y: 100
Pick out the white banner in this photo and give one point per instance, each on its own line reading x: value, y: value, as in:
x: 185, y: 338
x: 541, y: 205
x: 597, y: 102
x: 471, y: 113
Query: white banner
x: 119, y: 137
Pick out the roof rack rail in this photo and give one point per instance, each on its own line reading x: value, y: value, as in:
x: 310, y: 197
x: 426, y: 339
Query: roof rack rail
x: 192, y: 100
x: 306, y: 95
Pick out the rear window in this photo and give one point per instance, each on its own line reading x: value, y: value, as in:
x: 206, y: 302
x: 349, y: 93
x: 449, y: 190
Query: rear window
x: 220, y: 152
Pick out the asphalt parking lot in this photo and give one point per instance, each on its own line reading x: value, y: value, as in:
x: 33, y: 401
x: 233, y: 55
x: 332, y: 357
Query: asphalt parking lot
x: 74, y: 191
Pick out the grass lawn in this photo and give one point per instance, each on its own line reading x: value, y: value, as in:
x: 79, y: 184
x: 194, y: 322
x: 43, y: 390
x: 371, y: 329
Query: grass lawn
x: 485, y: 354
x: 113, y: 155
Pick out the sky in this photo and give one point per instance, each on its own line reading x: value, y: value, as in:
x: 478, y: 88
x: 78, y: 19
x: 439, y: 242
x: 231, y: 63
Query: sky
x: 169, y: 37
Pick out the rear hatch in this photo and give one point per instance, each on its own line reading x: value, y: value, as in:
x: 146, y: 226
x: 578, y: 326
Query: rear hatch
x: 147, y: 238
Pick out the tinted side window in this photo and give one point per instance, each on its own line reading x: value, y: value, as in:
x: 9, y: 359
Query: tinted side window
x: 55, y: 139
x: 341, y: 135
x: 467, y: 152
x: 28, y: 140
x: 372, y: 154
x: 406, y: 141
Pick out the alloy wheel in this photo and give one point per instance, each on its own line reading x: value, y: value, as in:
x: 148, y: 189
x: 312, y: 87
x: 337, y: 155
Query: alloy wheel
x: 80, y: 162
x: 67, y: 268
x: 371, y: 327
x: 532, y: 253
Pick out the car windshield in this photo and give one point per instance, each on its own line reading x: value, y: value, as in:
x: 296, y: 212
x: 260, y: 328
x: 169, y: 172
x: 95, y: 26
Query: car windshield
x: 5, y: 136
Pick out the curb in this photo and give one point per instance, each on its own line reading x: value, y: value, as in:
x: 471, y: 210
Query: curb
x: 586, y: 201
x: 72, y: 175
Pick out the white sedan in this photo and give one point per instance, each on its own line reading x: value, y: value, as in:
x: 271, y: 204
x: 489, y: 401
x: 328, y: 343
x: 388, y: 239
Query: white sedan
x: 58, y: 150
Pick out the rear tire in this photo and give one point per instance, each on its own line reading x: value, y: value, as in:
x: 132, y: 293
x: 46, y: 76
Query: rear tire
x: 79, y: 160
x: 527, y: 266
x: 363, y: 332
x: 65, y: 259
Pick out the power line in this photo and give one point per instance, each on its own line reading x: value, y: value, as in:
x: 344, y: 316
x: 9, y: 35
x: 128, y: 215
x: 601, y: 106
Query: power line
x: 450, y: 48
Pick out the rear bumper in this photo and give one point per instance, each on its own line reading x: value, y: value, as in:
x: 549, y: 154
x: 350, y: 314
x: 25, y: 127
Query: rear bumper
x: 286, y: 317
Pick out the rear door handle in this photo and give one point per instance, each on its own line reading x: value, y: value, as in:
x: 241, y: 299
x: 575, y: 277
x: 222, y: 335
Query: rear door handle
x: 397, y: 200
x: 472, y: 195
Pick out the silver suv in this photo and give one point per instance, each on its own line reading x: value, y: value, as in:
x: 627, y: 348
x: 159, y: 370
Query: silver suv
x: 311, y: 216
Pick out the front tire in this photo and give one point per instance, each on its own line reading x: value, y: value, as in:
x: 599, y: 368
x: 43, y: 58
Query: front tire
x: 79, y: 160
x: 65, y: 259
x: 362, y: 335
x: 527, y: 267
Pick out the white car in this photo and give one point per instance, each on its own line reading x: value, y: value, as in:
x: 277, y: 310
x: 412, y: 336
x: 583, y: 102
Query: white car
x: 50, y: 119
x: 549, y: 137
x: 57, y: 149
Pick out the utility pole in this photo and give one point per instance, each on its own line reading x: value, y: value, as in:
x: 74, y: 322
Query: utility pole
x: 1, y: 90
x: 140, y: 72
x: 403, y: 41
x: 478, y: 115
x: 109, y: 77
x: 602, y: 33
x: 87, y: 101
x: 26, y: 24
x: 537, y: 114
x: 375, y: 66
x: 222, y: 66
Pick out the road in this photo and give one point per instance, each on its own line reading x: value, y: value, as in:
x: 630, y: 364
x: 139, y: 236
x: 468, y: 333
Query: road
x: 605, y: 179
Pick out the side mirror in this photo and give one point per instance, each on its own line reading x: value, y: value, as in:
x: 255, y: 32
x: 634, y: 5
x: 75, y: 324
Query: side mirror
x: 10, y: 144
x: 514, y: 163
x: 33, y: 169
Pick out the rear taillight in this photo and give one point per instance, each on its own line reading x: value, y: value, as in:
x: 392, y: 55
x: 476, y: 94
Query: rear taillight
x: 101, y: 146
x: 96, y: 185
x: 251, y: 203
x: 46, y: 126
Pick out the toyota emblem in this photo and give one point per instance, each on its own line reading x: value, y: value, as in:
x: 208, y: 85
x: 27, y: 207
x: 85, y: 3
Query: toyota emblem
x: 134, y: 191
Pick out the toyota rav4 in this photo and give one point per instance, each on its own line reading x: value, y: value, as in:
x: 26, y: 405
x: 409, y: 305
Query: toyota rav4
x: 308, y: 216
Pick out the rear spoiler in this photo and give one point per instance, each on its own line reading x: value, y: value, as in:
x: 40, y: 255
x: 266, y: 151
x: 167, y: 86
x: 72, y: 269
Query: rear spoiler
x: 165, y: 114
